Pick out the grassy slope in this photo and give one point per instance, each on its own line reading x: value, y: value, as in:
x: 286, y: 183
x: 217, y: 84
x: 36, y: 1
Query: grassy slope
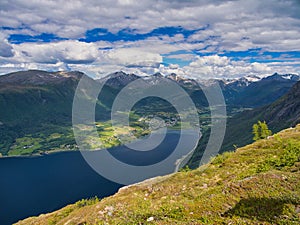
x: 257, y: 184
x: 35, y: 112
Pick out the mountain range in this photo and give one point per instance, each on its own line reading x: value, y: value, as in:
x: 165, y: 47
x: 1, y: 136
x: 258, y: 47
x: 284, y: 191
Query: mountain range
x: 36, y: 104
x: 248, y: 91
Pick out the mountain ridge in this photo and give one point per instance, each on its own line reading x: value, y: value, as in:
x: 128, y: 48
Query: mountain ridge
x: 38, y: 77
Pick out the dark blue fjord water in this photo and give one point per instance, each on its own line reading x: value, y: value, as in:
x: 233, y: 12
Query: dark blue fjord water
x: 30, y: 186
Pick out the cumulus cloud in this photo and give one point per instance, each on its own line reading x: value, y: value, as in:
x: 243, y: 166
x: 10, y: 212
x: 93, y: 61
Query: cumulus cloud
x: 221, y: 66
x: 13, y: 67
x: 213, y: 60
x: 219, y: 27
x: 131, y: 57
x: 86, y: 57
x: 6, y: 49
x: 215, y: 66
x: 64, y: 51
x: 75, y: 17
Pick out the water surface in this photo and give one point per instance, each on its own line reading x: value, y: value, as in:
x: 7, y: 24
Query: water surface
x: 30, y: 186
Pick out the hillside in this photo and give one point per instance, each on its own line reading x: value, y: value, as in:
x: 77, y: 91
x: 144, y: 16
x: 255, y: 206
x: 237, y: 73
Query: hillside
x: 37, y: 96
x: 257, y: 184
x: 34, y: 105
x: 281, y: 114
x: 36, y: 111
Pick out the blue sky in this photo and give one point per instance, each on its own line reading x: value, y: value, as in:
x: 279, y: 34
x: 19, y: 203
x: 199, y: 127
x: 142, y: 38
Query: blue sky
x: 200, y: 39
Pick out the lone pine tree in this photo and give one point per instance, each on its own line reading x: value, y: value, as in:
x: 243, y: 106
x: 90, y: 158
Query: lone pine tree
x: 260, y: 130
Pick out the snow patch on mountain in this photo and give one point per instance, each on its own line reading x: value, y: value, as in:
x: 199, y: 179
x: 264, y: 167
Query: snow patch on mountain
x: 291, y: 77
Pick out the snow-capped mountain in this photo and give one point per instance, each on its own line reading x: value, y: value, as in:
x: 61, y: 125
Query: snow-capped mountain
x: 291, y: 77
x: 183, y: 81
x: 242, y: 81
x: 247, y: 91
x: 253, y: 91
x: 118, y: 79
x: 249, y: 79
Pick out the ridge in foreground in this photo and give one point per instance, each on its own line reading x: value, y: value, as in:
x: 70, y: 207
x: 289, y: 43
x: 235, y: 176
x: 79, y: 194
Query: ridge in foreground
x: 257, y: 184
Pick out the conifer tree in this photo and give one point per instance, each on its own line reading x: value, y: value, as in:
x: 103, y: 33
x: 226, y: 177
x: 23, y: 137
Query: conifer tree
x: 260, y: 130
x: 265, y: 132
x: 255, y: 131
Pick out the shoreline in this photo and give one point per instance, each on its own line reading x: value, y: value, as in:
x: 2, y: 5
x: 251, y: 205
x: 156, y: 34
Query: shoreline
x: 77, y: 150
x: 37, y: 154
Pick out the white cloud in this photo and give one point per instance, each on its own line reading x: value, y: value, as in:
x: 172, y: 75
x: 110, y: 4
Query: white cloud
x: 221, y: 66
x: 6, y: 49
x: 229, y: 26
x: 213, y: 60
x: 12, y: 67
x: 76, y: 55
x: 64, y: 51
x: 133, y: 57
x: 73, y: 18
x: 173, y: 69
x: 184, y: 56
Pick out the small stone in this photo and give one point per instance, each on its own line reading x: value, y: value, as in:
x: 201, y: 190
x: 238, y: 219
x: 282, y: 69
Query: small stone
x: 297, y: 210
x: 151, y: 218
x: 101, y: 212
x: 109, y: 210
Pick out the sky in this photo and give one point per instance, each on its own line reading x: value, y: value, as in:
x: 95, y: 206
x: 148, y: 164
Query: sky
x: 193, y: 38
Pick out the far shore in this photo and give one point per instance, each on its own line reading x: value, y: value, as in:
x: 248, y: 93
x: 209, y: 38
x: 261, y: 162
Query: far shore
x: 48, y: 152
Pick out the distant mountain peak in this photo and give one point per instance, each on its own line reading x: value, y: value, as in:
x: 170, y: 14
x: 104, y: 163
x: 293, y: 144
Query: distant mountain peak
x: 247, y: 80
x: 158, y: 74
x: 291, y: 77
x: 118, y: 79
x: 250, y: 79
x: 174, y: 76
x: 283, y: 77
x: 253, y: 78
x: 39, y: 77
